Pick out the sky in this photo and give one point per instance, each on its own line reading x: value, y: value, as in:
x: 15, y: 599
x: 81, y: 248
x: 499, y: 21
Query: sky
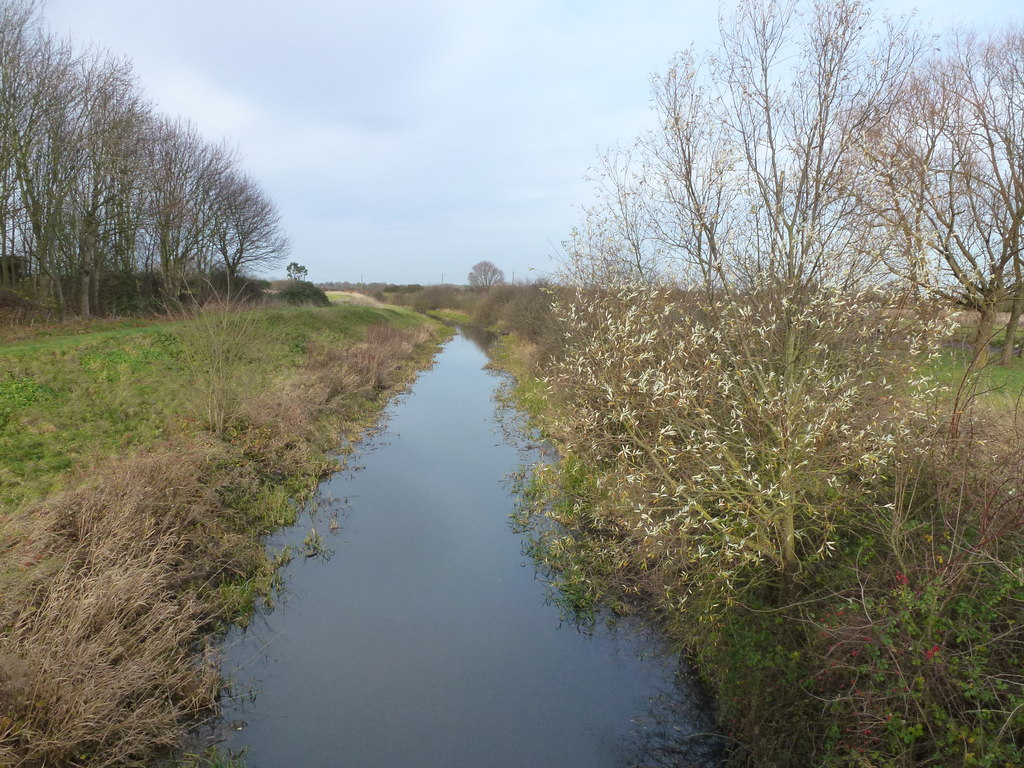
x: 405, y: 141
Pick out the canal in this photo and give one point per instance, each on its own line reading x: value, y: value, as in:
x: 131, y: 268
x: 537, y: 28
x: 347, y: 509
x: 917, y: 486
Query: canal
x: 426, y: 640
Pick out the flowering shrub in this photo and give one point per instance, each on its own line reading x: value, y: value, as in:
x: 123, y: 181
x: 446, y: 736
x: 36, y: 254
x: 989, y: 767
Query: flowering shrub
x: 731, y: 440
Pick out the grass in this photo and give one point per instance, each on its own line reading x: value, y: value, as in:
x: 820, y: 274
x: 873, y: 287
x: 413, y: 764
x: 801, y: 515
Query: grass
x: 352, y: 297
x: 67, y: 401
x: 998, y: 386
x: 131, y: 523
x: 518, y: 357
x: 13, y: 333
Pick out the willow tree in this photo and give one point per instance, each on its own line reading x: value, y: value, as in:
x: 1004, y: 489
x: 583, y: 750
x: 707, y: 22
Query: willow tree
x: 742, y: 401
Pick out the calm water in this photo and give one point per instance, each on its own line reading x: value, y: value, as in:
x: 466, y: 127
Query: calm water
x: 426, y: 639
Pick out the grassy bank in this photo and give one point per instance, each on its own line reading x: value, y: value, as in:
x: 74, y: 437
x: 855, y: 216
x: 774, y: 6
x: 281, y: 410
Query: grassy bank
x: 142, y: 467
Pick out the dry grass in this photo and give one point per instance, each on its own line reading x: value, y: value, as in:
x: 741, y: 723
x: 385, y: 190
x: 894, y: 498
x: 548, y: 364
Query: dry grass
x: 110, y: 589
x: 352, y: 297
x: 99, y: 655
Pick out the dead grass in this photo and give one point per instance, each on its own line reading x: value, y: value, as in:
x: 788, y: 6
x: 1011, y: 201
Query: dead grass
x: 101, y: 632
x: 109, y: 591
x: 353, y: 297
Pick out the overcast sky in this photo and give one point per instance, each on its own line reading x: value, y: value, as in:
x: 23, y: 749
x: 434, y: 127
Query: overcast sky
x: 405, y: 141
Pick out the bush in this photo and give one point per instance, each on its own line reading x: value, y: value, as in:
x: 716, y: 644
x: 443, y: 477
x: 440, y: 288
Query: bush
x: 301, y: 292
x: 523, y: 309
x: 437, y: 297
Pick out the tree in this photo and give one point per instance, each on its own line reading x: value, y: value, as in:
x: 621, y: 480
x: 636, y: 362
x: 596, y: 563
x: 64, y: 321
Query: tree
x: 297, y: 272
x: 185, y: 173
x: 953, y: 179
x: 484, y: 274
x: 740, y: 415
x: 249, y: 231
x: 97, y: 189
x: 114, y: 117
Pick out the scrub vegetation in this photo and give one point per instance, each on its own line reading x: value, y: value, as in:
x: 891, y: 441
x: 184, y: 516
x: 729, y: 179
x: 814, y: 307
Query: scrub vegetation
x: 145, y: 466
x: 787, y: 420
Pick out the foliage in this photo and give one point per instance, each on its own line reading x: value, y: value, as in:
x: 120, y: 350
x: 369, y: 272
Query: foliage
x: 523, y: 309
x: 297, y: 272
x: 892, y: 637
x: 740, y: 434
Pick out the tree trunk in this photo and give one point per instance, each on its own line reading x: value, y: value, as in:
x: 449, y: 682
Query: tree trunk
x: 982, y: 337
x: 58, y: 293
x: 85, y: 294
x: 85, y: 266
x: 95, y: 283
x: 1011, y: 328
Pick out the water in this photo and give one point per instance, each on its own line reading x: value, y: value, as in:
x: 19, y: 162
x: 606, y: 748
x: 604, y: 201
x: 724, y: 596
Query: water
x: 426, y: 639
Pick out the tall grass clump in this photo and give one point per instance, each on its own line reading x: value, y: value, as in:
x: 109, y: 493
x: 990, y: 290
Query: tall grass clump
x: 101, y: 647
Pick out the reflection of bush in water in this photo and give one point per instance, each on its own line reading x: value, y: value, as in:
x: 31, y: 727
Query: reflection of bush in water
x: 481, y: 338
x: 676, y: 731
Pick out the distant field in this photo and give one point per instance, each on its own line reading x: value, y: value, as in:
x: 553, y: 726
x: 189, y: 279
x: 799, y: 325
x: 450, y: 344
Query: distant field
x: 351, y: 297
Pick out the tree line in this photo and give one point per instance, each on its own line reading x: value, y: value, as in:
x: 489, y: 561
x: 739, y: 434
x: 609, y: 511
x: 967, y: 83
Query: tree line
x: 107, y: 205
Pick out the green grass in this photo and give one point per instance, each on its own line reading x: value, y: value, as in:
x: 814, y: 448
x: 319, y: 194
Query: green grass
x: 66, y: 401
x: 999, y: 386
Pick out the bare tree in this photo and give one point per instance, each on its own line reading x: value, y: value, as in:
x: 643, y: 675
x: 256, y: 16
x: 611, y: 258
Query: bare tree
x: 114, y: 118
x: 249, y: 230
x: 93, y: 184
x: 18, y: 30
x: 484, y: 274
x: 49, y: 156
x: 186, y: 173
x: 952, y: 167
